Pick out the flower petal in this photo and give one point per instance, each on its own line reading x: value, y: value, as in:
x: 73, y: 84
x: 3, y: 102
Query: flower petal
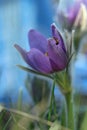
x: 37, y: 40
x: 36, y: 59
x: 39, y: 61
x: 22, y: 52
x: 56, y: 55
x: 56, y: 35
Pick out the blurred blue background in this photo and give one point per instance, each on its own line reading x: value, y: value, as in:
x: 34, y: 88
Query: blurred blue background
x: 16, y: 18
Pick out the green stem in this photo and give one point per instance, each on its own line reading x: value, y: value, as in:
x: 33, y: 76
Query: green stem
x: 70, y: 110
x: 55, y: 107
x: 52, y: 100
x: 64, y: 116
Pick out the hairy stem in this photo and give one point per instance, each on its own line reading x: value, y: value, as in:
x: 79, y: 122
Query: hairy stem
x: 70, y: 110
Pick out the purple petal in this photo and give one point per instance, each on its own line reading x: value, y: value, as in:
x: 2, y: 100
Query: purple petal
x: 39, y: 61
x: 56, y: 55
x: 22, y: 52
x: 36, y: 59
x: 73, y: 12
x: 56, y: 35
x: 37, y: 40
x: 85, y: 2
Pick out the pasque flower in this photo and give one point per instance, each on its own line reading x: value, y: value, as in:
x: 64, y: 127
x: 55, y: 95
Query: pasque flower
x: 73, y: 12
x: 45, y: 55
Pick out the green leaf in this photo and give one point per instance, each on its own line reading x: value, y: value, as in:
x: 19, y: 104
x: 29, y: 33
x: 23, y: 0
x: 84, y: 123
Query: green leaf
x: 34, y: 72
x: 56, y: 126
x: 7, y: 123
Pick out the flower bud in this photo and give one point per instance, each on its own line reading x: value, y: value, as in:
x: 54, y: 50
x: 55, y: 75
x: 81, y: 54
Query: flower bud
x: 72, y: 14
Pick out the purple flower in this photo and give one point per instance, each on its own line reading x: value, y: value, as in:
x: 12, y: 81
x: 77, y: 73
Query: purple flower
x: 67, y: 15
x: 45, y: 55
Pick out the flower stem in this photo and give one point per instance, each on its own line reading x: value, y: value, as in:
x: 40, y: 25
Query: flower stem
x: 70, y: 110
x: 52, y: 100
x: 64, y: 115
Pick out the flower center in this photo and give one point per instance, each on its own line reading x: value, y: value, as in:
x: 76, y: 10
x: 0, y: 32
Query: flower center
x: 57, y: 42
x: 46, y: 53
